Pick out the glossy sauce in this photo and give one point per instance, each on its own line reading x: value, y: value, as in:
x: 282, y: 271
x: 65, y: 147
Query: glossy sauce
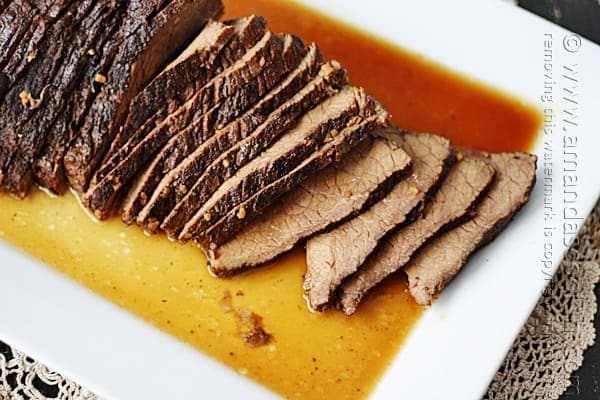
x: 420, y: 95
x: 313, y: 356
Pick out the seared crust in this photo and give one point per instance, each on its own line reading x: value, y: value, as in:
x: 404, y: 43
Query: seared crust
x: 48, y: 165
x: 151, y: 40
x: 34, y: 102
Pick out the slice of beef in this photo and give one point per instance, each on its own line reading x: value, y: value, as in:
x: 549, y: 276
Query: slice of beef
x: 324, y: 199
x: 23, y: 98
x: 186, y: 80
x: 216, y: 48
x: 333, y: 256
x: 185, y: 142
x: 47, y: 132
x: 459, y: 193
x: 178, y: 81
x: 41, y: 18
x: 441, y: 260
x: 27, y: 49
x: 100, y: 58
x: 226, y: 88
x: 141, y: 55
x: 311, y: 132
x: 221, y: 165
x: 51, y: 8
x: 48, y: 165
x: 235, y: 220
x: 15, y: 22
x: 171, y: 188
x: 58, y: 70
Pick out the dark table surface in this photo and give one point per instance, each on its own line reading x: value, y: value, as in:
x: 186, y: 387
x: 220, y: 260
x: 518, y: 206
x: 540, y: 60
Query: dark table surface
x: 583, y: 17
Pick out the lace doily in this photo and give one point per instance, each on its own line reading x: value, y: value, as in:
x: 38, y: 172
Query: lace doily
x: 548, y: 349
x: 550, y: 346
x: 22, y: 378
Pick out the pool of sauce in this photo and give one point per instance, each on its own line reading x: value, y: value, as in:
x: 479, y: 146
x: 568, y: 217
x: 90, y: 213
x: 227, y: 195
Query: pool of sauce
x: 312, y: 355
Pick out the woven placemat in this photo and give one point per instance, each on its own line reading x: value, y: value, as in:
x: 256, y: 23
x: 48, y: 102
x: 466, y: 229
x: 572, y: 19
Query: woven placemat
x: 538, y: 366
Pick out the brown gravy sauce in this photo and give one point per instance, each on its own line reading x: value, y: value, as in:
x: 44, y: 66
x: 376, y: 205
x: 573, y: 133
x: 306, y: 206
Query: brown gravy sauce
x: 310, y: 355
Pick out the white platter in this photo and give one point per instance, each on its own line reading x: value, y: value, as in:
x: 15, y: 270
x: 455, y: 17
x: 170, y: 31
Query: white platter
x: 459, y: 343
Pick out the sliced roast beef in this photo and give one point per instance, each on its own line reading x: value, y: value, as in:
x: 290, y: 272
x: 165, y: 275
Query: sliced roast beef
x: 323, y: 200
x: 235, y: 220
x: 148, y: 47
x: 14, y: 60
x: 333, y: 256
x: 223, y: 164
x: 51, y: 8
x: 225, y: 89
x: 48, y: 165
x: 40, y: 18
x: 213, y: 92
x: 185, y: 142
x: 49, y: 128
x: 170, y: 190
x: 311, y: 132
x: 246, y: 212
x: 441, y: 260
x: 15, y: 22
x: 55, y: 73
x: 171, y: 88
x: 460, y: 191
x: 177, y: 82
x: 180, y: 85
x: 40, y: 59
x: 199, y: 63
x: 23, y: 98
